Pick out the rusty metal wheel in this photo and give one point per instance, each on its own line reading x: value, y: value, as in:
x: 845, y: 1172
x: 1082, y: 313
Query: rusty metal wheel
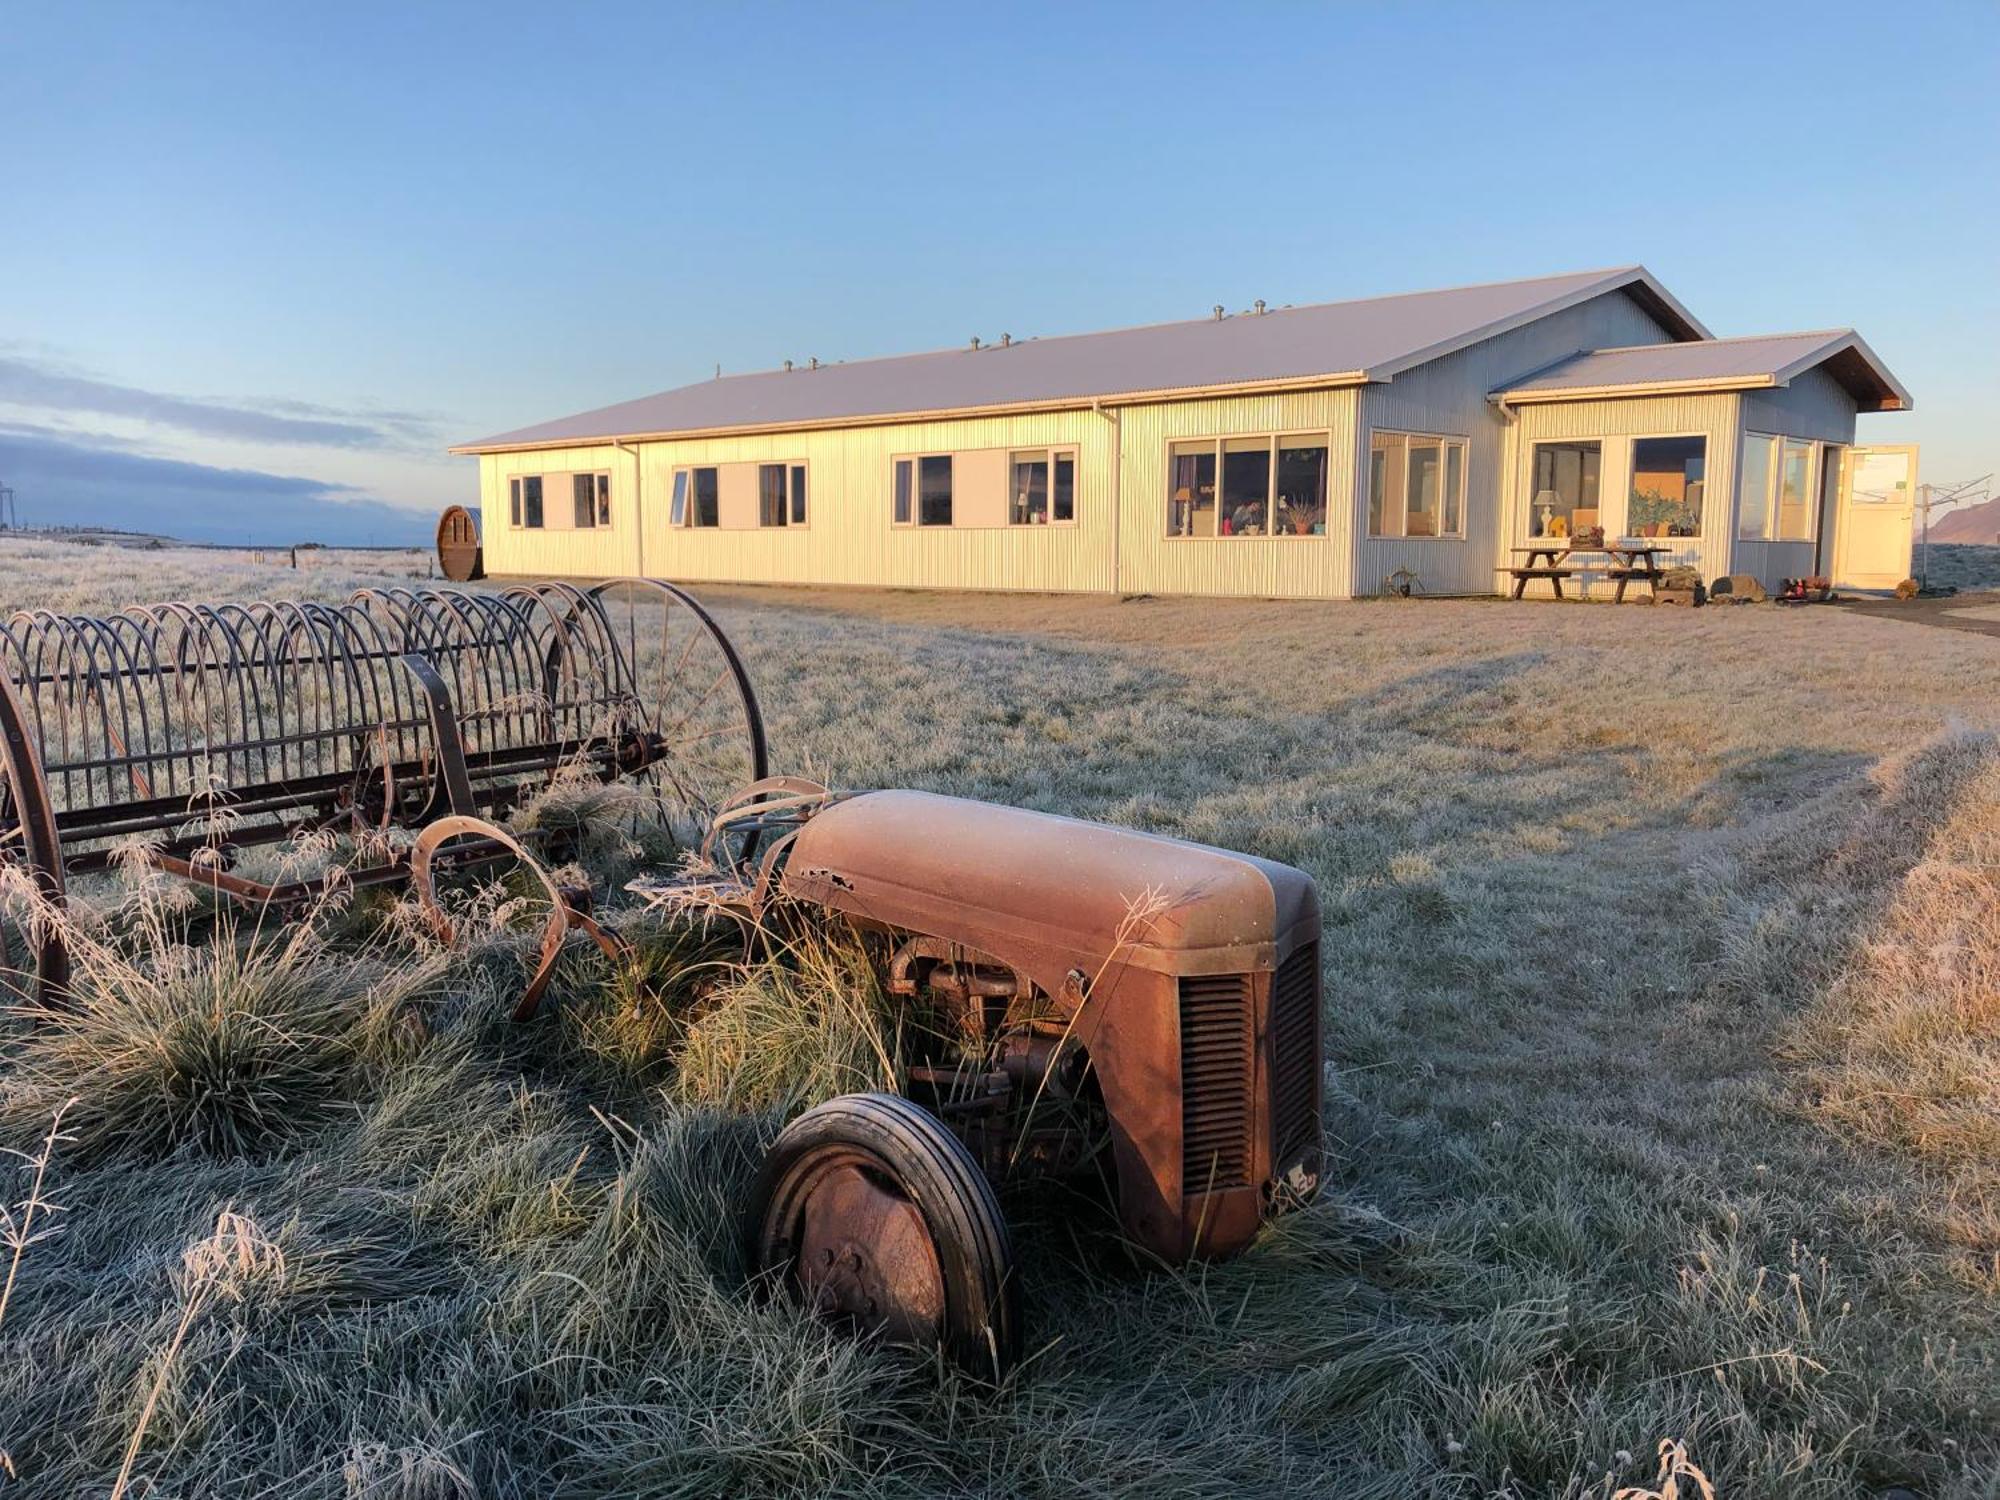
x: 871, y: 1212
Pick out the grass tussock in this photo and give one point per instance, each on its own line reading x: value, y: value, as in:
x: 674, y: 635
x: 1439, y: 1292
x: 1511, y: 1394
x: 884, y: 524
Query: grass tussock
x: 1659, y: 1046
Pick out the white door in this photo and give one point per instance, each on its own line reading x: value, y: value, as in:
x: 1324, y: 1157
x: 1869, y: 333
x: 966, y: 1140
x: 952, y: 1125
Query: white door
x: 1878, y: 512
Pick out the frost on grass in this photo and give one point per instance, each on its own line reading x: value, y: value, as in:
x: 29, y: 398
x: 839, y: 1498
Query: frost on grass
x: 1659, y: 969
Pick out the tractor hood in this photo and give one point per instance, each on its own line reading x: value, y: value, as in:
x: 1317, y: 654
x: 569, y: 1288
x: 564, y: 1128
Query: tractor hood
x: 1019, y: 885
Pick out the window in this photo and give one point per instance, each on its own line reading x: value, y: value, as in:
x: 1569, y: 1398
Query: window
x: 1247, y: 487
x: 697, y: 498
x: 1416, y: 485
x: 1667, y: 486
x: 1041, y: 487
x: 590, y: 496
x: 1565, y: 488
x: 524, y: 501
x: 934, y: 490
x: 1795, y: 512
x: 781, y: 494
x: 903, y: 481
x: 1753, y: 487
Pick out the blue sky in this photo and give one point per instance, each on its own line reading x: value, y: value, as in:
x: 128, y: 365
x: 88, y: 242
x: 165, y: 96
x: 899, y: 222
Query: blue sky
x: 315, y: 244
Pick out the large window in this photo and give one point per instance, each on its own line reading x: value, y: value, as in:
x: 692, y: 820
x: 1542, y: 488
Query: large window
x: 590, y: 497
x: 1565, y: 488
x: 1041, y: 487
x: 524, y: 501
x: 1416, y: 485
x: 1774, y: 490
x: 781, y: 494
x: 1247, y: 487
x: 1668, y: 478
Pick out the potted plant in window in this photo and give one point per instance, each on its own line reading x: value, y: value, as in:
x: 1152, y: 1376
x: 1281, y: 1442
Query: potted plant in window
x: 1306, y: 519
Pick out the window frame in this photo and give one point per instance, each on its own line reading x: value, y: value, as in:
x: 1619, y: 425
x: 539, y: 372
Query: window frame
x: 795, y: 486
x: 1446, y: 441
x: 1632, y: 443
x: 1809, y: 490
x: 1273, y: 437
x: 598, y: 499
x: 682, y: 509
x: 541, y: 504
x: 911, y: 502
x: 1768, y: 533
x: 1050, y: 452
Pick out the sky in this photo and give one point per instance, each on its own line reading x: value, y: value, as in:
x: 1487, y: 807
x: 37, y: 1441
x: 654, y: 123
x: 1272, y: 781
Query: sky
x: 260, y: 264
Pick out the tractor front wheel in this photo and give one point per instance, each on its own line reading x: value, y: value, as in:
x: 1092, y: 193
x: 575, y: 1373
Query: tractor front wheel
x: 872, y: 1213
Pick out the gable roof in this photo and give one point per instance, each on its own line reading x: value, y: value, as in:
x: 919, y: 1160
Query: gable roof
x: 1325, y: 344
x: 1757, y: 362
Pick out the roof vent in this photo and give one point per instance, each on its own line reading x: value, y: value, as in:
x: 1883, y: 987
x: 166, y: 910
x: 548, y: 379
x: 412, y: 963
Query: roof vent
x: 1218, y: 312
x: 975, y: 341
x: 815, y: 363
x: 788, y: 367
x: 1006, y: 340
x: 1260, y: 307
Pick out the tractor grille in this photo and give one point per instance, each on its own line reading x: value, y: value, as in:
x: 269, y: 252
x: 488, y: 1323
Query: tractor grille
x: 1215, y: 1081
x: 1295, y: 1056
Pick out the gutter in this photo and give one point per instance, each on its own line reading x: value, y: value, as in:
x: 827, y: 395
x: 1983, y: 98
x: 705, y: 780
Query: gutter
x: 638, y: 508
x: 1117, y: 422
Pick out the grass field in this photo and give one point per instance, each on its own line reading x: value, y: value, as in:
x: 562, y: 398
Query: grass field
x: 1663, y: 974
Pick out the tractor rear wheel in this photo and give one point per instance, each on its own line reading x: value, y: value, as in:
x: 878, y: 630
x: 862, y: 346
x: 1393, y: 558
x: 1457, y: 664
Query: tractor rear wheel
x: 872, y: 1213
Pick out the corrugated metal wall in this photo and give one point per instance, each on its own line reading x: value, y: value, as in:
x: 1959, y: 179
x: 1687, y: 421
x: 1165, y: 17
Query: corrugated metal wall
x: 1448, y: 397
x: 1152, y: 562
x: 1814, y: 405
x: 1615, y: 423
x: 848, y: 537
x: 600, y: 552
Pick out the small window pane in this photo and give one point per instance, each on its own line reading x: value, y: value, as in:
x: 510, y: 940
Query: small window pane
x: 1667, y: 486
x: 1454, y: 489
x: 934, y: 490
x: 603, y: 499
x: 1753, y: 488
x: 583, y: 500
x: 1065, y: 496
x: 770, y: 494
x: 1191, y: 490
x: 531, y: 501
x: 1424, y: 490
x: 1565, y: 488
x: 1246, y: 486
x: 1028, y: 491
x: 1385, y: 484
x: 707, y: 498
x: 1794, y: 499
x: 514, y: 501
x: 677, y: 515
x: 1301, y: 487
x: 903, y: 468
x: 798, y: 494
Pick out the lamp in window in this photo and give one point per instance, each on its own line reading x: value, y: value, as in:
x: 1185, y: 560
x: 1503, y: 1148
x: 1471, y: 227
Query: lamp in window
x: 1547, y: 503
x: 1183, y: 511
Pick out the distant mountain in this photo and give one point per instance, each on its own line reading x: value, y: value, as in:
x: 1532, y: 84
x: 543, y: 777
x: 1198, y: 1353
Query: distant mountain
x: 60, y: 482
x: 1973, y: 523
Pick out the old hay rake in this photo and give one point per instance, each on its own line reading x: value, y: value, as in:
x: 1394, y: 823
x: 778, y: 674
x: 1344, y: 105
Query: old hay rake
x: 189, y: 733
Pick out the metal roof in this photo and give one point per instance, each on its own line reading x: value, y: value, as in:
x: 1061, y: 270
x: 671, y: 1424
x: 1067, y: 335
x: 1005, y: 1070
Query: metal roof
x: 1332, y: 342
x: 1756, y: 362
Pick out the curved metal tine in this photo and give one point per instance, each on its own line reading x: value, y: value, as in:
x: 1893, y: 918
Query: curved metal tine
x: 134, y: 671
x: 150, y: 688
x: 346, y: 684
x: 560, y: 660
x: 255, y: 672
x: 109, y: 688
x: 483, y: 701
x: 195, y: 672
x: 223, y: 651
x: 367, y: 618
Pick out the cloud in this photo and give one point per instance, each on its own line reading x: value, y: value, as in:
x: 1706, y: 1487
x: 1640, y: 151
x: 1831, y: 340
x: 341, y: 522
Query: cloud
x: 45, y: 385
x: 59, y: 480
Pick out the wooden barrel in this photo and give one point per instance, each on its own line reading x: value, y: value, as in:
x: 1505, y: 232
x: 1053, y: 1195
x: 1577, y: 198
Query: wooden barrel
x: 460, y: 556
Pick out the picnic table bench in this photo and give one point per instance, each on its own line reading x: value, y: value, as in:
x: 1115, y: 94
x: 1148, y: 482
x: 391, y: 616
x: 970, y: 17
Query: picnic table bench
x: 1626, y: 563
